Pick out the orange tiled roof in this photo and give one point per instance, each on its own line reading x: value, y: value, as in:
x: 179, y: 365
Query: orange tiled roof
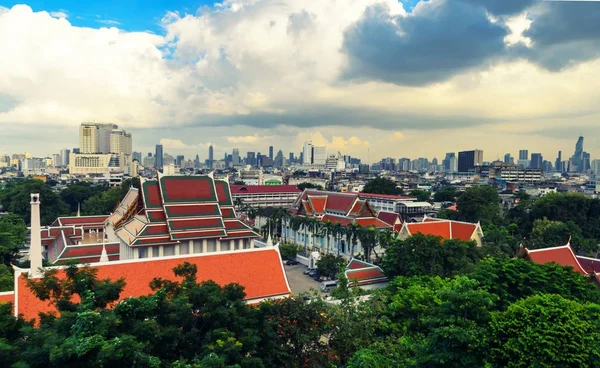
x: 447, y: 229
x: 317, y: 203
x: 562, y: 255
x: 7, y: 297
x: 260, y: 271
x: 371, y: 221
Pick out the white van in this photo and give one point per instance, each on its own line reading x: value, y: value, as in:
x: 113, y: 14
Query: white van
x: 328, y: 285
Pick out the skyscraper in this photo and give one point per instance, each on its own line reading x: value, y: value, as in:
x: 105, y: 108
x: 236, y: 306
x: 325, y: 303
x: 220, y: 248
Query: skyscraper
x: 508, y: 159
x: 235, y: 156
x: 64, y: 154
x: 251, y: 158
x: 210, y: 157
x: 580, y: 161
x: 446, y: 160
x: 523, y: 154
x: 158, y: 157
x: 137, y: 156
x: 271, y: 152
x: 468, y: 160
x: 558, y: 167
x: 95, y: 137
x: 536, y: 161
x: 307, y: 154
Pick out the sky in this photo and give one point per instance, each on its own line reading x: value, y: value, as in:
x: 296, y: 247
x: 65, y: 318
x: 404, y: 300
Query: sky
x: 368, y: 78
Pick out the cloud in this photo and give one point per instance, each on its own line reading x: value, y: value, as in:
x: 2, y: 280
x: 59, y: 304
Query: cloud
x: 563, y: 34
x: 244, y: 139
x: 439, y: 39
x: 178, y: 144
x: 59, y: 14
x: 109, y: 22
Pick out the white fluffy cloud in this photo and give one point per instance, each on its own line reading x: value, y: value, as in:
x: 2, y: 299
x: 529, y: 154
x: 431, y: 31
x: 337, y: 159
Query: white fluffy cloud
x: 252, y: 73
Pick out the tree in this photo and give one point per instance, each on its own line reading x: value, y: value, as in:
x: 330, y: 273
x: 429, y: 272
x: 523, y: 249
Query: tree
x: 102, y: 203
x: 16, y: 197
x: 368, y: 237
x: 546, y: 331
x: 306, y: 185
x: 381, y: 185
x: 515, y: 279
x: 75, y: 194
x: 420, y: 195
x: 329, y: 265
x: 13, y: 232
x: 239, y: 182
x: 288, y: 251
x: 480, y: 203
x: 447, y: 194
x: 421, y: 255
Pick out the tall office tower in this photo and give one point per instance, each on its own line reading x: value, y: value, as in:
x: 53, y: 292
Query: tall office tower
x: 235, y: 156
x: 523, y: 154
x: 536, y: 161
x: 578, y: 162
x: 468, y: 160
x: 179, y: 160
x: 279, y: 160
x: 271, y: 152
x: 318, y: 156
x: 596, y: 167
x: 291, y: 157
x: 446, y: 160
x: 158, y: 157
x: 301, y: 158
x: 251, y: 158
x: 64, y: 155
x: 307, y: 153
x: 95, y: 137
x: 137, y: 156
x: 508, y: 159
x: 558, y: 163
x: 210, y: 157
x: 197, y: 161
x: 56, y: 160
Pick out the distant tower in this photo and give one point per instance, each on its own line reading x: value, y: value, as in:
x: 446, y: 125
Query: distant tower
x: 35, y: 249
x: 210, y: 156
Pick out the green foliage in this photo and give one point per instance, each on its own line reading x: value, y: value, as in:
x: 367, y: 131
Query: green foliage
x: 515, y: 279
x: 13, y: 232
x: 306, y: 185
x: 421, y: 255
x: 546, y: 331
x: 368, y: 358
x: 420, y: 195
x: 288, y: 251
x: 329, y: 264
x: 480, y: 203
x: 239, y: 182
x: 381, y: 185
x: 447, y: 194
x: 76, y: 194
x: 16, y: 198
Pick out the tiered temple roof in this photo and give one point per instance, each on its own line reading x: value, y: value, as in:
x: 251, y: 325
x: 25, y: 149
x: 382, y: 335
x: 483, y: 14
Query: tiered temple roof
x: 447, y: 229
x: 342, y: 208
x: 80, y: 238
x: 177, y: 208
x: 562, y: 255
x: 362, y: 273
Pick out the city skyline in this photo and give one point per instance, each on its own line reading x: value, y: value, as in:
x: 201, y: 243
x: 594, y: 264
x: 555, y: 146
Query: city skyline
x: 516, y: 84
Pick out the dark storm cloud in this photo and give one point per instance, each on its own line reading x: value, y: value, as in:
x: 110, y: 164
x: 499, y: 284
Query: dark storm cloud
x: 439, y: 39
x: 502, y: 7
x: 563, y: 34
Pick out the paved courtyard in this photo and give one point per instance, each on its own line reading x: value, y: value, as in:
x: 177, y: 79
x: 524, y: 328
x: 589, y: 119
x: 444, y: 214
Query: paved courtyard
x: 299, y: 282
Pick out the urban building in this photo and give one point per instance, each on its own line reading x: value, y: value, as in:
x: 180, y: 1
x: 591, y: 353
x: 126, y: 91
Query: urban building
x: 385, y: 202
x: 468, y: 160
x: 210, y: 157
x: 536, y: 161
x: 523, y: 154
x: 65, y: 156
x: 265, y: 195
x: 235, y: 157
x: 558, y: 164
x: 95, y: 137
x: 508, y: 159
x: 271, y: 152
x: 158, y: 157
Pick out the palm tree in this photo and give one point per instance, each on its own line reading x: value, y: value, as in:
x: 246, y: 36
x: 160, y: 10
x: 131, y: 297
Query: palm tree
x: 368, y: 239
x: 338, y: 231
x: 295, y: 224
x: 238, y: 203
x: 328, y: 231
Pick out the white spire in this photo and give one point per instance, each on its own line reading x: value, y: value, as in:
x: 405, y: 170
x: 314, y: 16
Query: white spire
x: 104, y: 255
x: 35, y: 248
x: 78, y: 209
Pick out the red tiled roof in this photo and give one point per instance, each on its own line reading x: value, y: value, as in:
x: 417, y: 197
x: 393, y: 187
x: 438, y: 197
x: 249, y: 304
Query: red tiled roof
x: 154, y: 230
x: 430, y: 228
x: 187, y: 189
x: 344, y: 221
x: 228, y: 213
x: 589, y: 264
x: 195, y: 224
x: 317, y: 204
x: 156, y: 216
x: 389, y: 217
x: 81, y: 221
x: 263, y: 189
x: 356, y: 264
x: 151, y: 194
x: 307, y: 208
x: 386, y: 196
x: 259, y: 271
x: 94, y: 251
x: 340, y: 202
x: 235, y: 225
x: 357, y: 206
x: 366, y: 274
x: 199, y: 234
x: 563, y: 256
x: 7, y: 297
x: 196, y: 210
x: 371, y: 221
x: 223, y: 194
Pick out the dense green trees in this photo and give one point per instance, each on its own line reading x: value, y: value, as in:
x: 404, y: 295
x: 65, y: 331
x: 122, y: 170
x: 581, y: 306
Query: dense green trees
x: 15, y: 198
x: 381, y: 185
x: 447, y: 194
x: 420, y: 195
x: 329, y: 265
x: 307, y: 185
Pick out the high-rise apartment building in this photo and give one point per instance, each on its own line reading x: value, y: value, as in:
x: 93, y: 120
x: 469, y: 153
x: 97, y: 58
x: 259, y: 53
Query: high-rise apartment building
x: 158, y: 157
x: 64, y: 155
x: 446, y: 160
x: 468, y: 160
x: 56, y: 160
x: 508, y: 159
x: 210, y: 157
x: 307, y: 154
x: 271, y: 152
x: 235, y: 157
x: 120, y: 142
x: 95, y: 137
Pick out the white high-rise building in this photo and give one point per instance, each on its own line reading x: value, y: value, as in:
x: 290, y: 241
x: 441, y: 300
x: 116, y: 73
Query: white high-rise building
x: 596, y: 167
x: 56, y: 160
x: 235, y: 156
x: 65, y: 155
x: 318, y: 156
x: 307, y: 154
x: 95, y: 137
